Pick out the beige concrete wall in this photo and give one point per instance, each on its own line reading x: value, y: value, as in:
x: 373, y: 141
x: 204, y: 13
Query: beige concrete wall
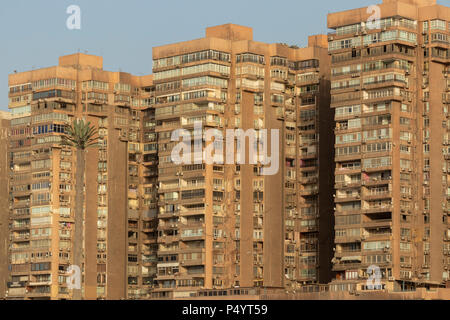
x: 4, y: 201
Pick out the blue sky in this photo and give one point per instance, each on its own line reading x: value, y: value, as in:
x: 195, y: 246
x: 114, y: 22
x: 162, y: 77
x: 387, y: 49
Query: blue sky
x: 34, y: 33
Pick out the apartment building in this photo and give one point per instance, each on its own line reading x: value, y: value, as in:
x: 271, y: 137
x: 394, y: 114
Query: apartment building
x: 120, y: 188
x: 168, y: 230
x: 4, y: 203
x: 223, y: 225
x: 390, y: 92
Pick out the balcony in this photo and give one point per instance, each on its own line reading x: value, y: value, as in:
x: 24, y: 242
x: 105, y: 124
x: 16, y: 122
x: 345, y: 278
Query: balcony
x: 250, y: 85
x: 168, y: 239
x: 309, y: 191
x: 377, y: 236
x: 40, y: 283
x: 168, y: 214
x: 16, y: 227
x: 348, y: 198
x: 190, y: 224
x: 348, y: 184
x: 311, y: 79
x: 308, y: 180
x: 377, y: 223
x: 307, y: 142
x: 16, y: 292
x: 19, y: 238
x: 348, y: 210
x: 192, y: 237
x: 346, y: 266
x: 17, y: 284
x: 376, y: 181
x: 43, y: 291
x: 308, y: 167
x: 150, y: 173
x: 167, y: 225
x: 304, y: 229
x: 192, y: 262
x: 347, y: 239
x: 308, y: 155
x: 21, y: 203
x: 378, y: 195
x: 378, y: 208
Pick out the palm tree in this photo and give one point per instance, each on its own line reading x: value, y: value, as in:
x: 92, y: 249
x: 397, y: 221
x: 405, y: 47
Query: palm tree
x: 79, y: 135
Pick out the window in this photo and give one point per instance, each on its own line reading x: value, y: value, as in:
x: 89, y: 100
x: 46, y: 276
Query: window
x: 53, y: 93
x: 122, y: 87
x: 47, y: 83
x: 438, y: 25
x: 204, y: 81
x: 40, y: 266
x: 350, y: 219
x: 249, y: 57
x: 405, y: 246
x: 376, y: 245
x: 306, y: 64
x: 348, y: 111
x: 207, y: 67
x: 345, y: 43
x: 343, y: 151
x: 377, y: 162
x: 97, y: 85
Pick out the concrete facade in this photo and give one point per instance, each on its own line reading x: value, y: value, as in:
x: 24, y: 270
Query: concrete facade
x: 251, y: 229
x: 390, y: 93
x: 4, y: 202
x: 118, y: 230
x: 363, y: 179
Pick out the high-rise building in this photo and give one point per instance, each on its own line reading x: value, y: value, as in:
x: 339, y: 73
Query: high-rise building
x: 390, y: 93
x: 120, y: 189
x: 192, y: 226
x: 158, y: 228
x: 4, y: 203
x: 228, y: 224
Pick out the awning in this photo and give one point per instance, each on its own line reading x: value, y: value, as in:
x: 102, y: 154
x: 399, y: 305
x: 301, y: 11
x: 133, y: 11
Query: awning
x: 168, y: 265
x: 351, y: 258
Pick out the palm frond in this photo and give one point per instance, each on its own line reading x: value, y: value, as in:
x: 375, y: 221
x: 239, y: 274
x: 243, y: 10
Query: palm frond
x: 80, y: 135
